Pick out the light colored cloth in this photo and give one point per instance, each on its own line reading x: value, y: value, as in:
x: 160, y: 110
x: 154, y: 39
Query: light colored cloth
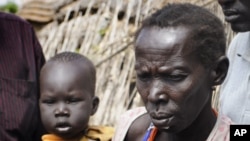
x: 125, y: 121
x: 235, y: 91
x: 95, y: 133
x: 220, y: 131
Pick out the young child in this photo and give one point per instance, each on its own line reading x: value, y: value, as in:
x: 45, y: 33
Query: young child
x: 180, y: 58
x: 68, y: 99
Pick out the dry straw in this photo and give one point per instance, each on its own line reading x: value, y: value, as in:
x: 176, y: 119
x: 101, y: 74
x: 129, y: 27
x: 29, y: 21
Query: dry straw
x: 104, y: 32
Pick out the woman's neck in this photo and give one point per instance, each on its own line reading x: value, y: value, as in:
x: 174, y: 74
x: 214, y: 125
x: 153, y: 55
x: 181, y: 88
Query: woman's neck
x: 201, y: 128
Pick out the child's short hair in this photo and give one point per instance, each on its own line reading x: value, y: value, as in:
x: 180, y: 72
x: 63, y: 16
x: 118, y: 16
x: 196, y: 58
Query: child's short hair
x: 67, y: 57
x: 208, y: 37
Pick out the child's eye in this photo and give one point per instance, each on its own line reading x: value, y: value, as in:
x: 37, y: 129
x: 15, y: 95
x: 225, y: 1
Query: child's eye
x: 73, y: 100
x: 48, y: 101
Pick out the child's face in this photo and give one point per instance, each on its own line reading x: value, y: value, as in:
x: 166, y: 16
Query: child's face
x: 66, y: 101
x: 172, y: 82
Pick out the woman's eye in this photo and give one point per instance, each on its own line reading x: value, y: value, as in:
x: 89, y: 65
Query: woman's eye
x: 175, y: 77
x: 144, y: 76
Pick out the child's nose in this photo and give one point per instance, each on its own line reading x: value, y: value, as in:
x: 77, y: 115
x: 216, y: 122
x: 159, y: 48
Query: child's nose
x: 61, y: 110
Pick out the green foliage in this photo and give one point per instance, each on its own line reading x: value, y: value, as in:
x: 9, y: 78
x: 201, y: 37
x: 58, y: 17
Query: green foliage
x: 103, y: 31
x: 10, y: 7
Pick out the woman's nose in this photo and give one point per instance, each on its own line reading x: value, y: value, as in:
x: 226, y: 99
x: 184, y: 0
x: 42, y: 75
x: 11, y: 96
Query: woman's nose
x: 61, y: 110
x: 157, y: 93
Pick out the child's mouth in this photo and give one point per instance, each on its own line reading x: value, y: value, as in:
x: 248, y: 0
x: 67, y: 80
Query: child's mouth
x: 63, y: 127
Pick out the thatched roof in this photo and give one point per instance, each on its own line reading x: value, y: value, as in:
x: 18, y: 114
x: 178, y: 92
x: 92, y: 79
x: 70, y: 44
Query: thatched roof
x: 102, y: 30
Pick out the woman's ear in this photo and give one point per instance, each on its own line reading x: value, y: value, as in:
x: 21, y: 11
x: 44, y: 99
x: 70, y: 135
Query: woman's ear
x: 95, y: 103
x: 219, y: 71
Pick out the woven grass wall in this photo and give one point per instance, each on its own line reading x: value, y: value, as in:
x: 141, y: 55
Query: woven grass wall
x: 104, y: 31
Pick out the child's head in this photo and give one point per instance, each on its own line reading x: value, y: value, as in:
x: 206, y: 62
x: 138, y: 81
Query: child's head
x: 180, y: 57
x: 67, y: 100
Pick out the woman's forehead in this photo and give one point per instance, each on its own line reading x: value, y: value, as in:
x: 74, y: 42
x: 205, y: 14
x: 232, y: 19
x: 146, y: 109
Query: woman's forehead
x: 165, y: 41
x: 162, y: 38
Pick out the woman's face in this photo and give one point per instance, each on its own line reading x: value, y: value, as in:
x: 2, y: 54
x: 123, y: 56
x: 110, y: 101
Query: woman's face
x: 172, y: 82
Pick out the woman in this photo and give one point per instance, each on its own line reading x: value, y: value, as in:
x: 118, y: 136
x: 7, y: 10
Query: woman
x: 180, y: 58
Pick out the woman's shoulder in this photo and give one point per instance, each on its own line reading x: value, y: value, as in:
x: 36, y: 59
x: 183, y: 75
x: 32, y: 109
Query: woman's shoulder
x: 138, y: 128
x: 221, y: 129
x: 126, y: 121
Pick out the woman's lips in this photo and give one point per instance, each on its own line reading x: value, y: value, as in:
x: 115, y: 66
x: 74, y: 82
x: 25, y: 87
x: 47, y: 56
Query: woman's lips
x: 161, y: 120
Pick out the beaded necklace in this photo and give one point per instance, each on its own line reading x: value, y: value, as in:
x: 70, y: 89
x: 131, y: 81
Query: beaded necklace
x: 151, y: 133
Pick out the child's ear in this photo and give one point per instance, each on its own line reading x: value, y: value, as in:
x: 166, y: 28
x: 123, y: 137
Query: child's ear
x: 95, y: 103
x: 219, y: 71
